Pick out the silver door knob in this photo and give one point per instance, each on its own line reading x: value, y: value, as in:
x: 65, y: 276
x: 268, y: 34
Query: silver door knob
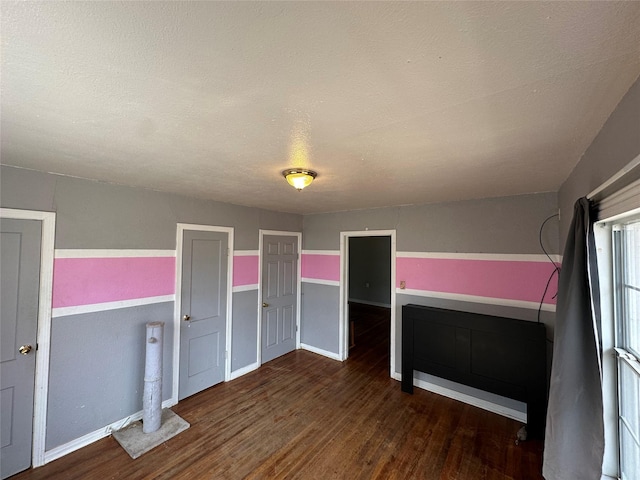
x: 25, y: 349
x: 186, y: 318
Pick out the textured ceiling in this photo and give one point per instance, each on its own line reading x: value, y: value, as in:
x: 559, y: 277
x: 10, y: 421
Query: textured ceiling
x: 391, y: 102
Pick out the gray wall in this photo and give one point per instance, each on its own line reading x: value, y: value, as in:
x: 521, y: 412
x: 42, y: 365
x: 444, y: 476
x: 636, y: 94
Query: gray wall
x: 320, y: 313
x: 96, y: 373
x: 617, y: 144
x: 496, y: 225
x: 101, y: 383
x: 244, y: 335
x: 370, y: 270
x: 492, y: 225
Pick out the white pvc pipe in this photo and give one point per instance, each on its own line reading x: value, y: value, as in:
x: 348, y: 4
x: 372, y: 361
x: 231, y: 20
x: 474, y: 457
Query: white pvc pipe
x: 152, y: 396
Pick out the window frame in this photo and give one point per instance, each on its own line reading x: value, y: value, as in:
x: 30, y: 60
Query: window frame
x: 608, y: 243
x: 626, y: 356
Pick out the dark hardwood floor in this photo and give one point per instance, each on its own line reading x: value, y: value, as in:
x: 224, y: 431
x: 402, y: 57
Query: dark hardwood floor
x: 304, y: 416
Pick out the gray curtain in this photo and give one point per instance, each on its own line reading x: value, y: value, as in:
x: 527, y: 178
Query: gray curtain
x: 574, y: 440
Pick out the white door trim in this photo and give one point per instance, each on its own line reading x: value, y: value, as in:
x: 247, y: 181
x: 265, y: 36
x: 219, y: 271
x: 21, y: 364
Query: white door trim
x: 344, y: 287
x: 181, y: 228
x: 45, y: 301
x: 262, y: 233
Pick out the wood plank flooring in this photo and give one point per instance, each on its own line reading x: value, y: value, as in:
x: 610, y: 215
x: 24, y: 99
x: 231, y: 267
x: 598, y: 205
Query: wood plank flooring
x: 303, y: 416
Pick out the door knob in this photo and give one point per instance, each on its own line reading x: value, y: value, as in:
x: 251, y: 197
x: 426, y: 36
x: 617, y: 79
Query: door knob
x: 25, y: 349
x: 186, y: 318
x: 265, y: 305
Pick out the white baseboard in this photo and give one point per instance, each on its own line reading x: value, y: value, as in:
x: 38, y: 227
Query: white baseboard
x: 319, y: 351
x: 243, y: 371
x: 468, y: 399
x: 96, y: 435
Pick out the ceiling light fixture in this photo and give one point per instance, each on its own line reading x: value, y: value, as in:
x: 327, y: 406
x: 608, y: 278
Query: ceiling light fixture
x: 299, y: 178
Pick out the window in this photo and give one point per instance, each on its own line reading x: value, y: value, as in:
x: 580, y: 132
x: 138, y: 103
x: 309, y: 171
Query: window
x: 626, y: 255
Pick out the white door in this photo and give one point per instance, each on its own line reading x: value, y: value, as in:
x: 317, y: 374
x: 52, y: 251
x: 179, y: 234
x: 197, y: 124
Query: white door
x: 279, y: 295
x: 204, y: 310
x: 20, y: 282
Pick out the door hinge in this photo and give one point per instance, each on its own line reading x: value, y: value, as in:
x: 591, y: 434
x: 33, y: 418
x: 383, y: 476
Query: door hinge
x: 226, y: 354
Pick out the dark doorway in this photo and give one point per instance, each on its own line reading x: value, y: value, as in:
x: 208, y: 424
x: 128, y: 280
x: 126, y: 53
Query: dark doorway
x: 369, y: 295
x: 370, y: 270
x: 370, y: 334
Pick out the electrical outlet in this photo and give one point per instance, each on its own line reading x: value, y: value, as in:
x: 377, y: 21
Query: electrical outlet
x: 403, y: 284
x: 366, y: 284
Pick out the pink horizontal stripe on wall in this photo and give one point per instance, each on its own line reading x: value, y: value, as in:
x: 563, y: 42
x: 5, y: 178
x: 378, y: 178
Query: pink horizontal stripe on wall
x: 245, y: 270
x: 512, y: 280
x: 321, y: 267
x: 86, y: 281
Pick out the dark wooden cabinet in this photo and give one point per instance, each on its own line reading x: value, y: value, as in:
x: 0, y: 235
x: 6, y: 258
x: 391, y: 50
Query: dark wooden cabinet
x: 496, y: 354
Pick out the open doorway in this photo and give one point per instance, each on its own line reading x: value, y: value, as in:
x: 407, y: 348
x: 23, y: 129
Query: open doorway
x: 368, y: 292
